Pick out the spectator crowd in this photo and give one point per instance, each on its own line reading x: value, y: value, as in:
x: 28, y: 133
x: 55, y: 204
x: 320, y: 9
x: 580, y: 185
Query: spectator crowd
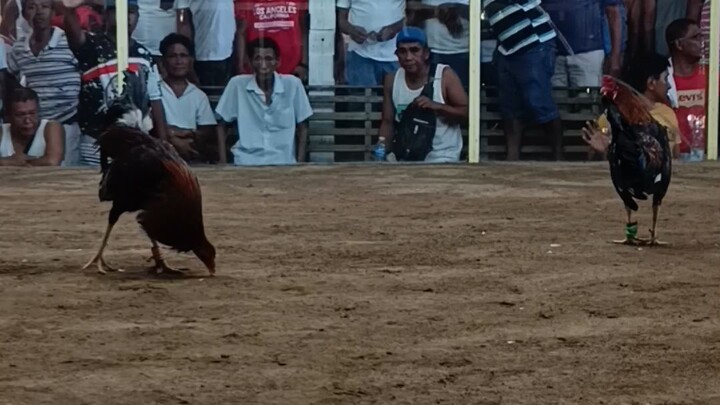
x: 58, y: 71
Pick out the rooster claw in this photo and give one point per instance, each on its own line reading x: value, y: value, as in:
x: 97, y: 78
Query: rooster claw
x: 162, y: 267
x: 631, y: 242
x: 102, y: 266
x: 656, y: 242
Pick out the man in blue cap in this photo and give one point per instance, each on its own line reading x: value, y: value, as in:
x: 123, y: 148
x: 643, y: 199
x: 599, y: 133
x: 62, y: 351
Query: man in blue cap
x: 448, y: 101
x: 97, y: 58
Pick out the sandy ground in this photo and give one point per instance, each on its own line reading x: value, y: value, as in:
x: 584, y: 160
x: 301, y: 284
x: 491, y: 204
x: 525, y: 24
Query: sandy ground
x: 362, y: 284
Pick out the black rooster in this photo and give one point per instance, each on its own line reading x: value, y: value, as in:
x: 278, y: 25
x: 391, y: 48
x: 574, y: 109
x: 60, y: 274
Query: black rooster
x: 639, y: 154
x: 143, y: 173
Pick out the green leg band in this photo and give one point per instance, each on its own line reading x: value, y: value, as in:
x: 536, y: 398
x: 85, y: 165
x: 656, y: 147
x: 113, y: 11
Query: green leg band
x: 631, y: 230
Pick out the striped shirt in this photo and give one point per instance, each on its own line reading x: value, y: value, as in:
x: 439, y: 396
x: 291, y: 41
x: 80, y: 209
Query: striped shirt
x: 53, y: 74
x: 518, y: 24
x: 705, y: 29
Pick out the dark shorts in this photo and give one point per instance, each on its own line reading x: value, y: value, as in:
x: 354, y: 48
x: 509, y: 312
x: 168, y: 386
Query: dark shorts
x: 525, y: 84
x: 213, y: 73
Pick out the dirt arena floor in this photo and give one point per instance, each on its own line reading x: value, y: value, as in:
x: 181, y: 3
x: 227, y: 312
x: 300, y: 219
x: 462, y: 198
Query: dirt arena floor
x: 493, y: 284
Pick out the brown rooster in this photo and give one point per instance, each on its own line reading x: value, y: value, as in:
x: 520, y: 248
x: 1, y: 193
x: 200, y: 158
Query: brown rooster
x: 639, y: 154
x: 147, y: 175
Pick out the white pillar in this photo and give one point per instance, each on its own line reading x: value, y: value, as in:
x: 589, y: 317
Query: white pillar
x: 713, y: 87
x: 475, y: 80
x: 321, y: 41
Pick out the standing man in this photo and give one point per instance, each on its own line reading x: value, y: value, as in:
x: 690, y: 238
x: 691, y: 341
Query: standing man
x: 581, y: 23
x: 372, y: 26
x: 283, y: 21
x: 215, y: 29
x: 97, y: 57
x: 525, y: 59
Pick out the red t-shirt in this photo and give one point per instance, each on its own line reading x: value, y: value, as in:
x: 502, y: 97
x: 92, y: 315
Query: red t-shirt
x: 691, y: 92
x: 278, y: 20
x: 90, y: 20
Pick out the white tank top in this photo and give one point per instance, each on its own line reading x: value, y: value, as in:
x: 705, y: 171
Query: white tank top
x: 447, y: 143
x: 37, y: 147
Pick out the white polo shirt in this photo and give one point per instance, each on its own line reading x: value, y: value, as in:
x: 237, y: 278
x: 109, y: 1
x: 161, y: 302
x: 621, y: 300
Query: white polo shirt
x: 190, y: 110
x: 373, y: 15
x: 266, y: 133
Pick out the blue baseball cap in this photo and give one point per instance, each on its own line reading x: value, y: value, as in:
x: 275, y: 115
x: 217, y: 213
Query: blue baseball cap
x: 132, y: 4
x: 411, y: 34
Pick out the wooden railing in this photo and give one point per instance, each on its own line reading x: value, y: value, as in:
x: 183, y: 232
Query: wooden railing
x: 346, y: 122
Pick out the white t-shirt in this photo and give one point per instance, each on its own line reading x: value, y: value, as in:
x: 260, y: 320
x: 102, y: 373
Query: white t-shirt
x: 215, y: 27
x: 373, y: 15
x: 154, y: 24
x: 439, y: 38
x: 188, y: 111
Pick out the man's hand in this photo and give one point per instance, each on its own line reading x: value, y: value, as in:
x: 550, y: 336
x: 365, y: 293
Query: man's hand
x: 182, y: 140
x: 358, y: 34
x: 447, y: 14
x: 386, y: 33
x: 424, y: 102
x: 595, y: 137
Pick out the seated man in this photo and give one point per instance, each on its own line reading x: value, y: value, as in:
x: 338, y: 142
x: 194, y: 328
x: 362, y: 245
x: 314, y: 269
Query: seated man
x: 187, y: 108
x: 449, y: 101
x: 649, y: 76
x: 270, y: 110
x: 27, y: 140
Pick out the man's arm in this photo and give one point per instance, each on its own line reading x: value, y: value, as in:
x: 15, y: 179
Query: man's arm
x: 387, y: 123
x: 158, y: 118
x: 54, y: 146
x: 221, y: 138
x: 694, y: 9
x: 241, y: 46
x: 648, y: 25
x: 301, y: 131
x: 388, y: 32
x: 302, y: 70
x: 14, y: 160
x: 358, y: 34
x: 73, y: 30
x: 182, y: 20
x: 455, y: 109
x: 615, y: 24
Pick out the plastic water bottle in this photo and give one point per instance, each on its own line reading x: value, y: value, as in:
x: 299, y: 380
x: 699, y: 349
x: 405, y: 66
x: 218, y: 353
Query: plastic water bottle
x: 379, y: 149
x: 697, y: 142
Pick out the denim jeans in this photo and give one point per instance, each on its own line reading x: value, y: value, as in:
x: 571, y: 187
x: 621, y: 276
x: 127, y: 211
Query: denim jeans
x: 524, y: 83
x: 360, y: 71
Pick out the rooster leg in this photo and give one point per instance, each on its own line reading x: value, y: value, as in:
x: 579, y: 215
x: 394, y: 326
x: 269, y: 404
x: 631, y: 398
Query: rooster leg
x: 102, y: 267
x: 160, y: 265
x: 653, y: 231
x: 630, y: 232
